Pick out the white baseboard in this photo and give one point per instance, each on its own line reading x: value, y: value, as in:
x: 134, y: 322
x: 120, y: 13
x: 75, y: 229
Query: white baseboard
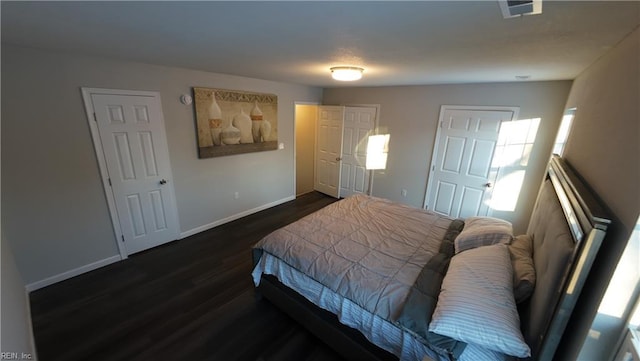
x: 107, y: 261
x: 234, y: 217
x: 71, y: 273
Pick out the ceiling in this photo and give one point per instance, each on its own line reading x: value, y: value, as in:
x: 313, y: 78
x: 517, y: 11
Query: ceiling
x: 398, y: 43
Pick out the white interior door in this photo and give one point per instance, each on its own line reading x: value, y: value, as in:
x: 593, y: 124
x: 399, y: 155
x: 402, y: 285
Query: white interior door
x: 359, y: 123
x: 461, y: 176
x: 329, y: 149
x: 133, y: 141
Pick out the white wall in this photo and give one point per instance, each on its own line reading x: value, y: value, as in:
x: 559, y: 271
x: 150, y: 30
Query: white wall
x: 604, y: 148
x: 15, y: 321
x: 54, y: 210
x: 410, y: 115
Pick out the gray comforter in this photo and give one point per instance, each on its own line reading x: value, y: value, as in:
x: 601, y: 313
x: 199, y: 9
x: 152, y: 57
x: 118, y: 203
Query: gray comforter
x: 366, y: 249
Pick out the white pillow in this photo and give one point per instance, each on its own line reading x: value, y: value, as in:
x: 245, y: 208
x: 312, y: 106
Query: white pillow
x: 483, y: 231
x: 476, y: 303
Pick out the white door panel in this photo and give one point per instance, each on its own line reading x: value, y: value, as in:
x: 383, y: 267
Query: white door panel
x: 329, y: 150
x: 347, y: 141
x: 360, y: 183
x: 359, y: 124
x: 471, y: 202
x: 481, y: 156
x: 345, y: 176
x: 461, y: 173
x: 452, y: 157
x: 444, y: 197
x: 134, y: 145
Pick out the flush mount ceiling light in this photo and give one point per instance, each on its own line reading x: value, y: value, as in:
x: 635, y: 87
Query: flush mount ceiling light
x: 346, y: 73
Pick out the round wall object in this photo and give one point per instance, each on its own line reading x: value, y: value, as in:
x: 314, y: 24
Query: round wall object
x: 186, y: 99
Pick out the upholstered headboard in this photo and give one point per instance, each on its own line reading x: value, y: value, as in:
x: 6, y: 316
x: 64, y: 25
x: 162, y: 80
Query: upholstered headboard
x: 567, y: 227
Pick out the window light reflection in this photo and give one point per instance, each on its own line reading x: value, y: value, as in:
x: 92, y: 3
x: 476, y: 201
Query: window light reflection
x: 377, y: 151
x: 563, y: 132
x: 510, y: 161
x: 507, y: 189
x: 620, y: 291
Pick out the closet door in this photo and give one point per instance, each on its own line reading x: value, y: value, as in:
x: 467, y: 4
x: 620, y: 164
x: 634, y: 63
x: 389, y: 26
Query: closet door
x: 130, y: 134
x: 329, y: 149
x: 462, y: 171
x: 359, y: 124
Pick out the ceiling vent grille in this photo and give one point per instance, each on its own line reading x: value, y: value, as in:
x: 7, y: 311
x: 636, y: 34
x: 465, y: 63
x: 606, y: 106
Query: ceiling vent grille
x: 516, y: 8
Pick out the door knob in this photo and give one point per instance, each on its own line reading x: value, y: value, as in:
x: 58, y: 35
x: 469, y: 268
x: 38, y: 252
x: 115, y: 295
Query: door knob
x: 163, y: 182
x: 338, y: 159
x: 488, y: 185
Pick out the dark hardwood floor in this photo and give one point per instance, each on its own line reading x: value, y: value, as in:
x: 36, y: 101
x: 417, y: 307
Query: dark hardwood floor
x: 191, y: 299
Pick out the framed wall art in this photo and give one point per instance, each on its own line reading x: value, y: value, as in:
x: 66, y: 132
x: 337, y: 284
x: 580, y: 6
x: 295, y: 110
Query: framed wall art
x: 233, y: 122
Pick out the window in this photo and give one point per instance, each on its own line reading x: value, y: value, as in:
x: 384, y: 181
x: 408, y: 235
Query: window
x: 622, y: 293
x: 618, y: 308
x: 634, y: 321
x: 563, y: 132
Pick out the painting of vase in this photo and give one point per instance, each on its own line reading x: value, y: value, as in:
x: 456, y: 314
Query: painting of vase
x: 232, y: 122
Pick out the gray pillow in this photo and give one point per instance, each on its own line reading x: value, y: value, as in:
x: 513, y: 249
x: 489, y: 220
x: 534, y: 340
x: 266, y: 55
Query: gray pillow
x: 524, y: 273
x: 483, y: 231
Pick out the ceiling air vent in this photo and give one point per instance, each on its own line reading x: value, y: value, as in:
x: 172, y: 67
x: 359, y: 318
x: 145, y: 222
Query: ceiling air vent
x: 515, y: 8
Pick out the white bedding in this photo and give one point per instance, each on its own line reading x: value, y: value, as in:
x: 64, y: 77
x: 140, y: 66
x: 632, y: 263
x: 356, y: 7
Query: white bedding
x: 369, y: 250
x: 377, y: 330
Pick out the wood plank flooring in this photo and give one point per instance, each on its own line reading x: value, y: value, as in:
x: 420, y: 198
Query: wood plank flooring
x: 191, y: 299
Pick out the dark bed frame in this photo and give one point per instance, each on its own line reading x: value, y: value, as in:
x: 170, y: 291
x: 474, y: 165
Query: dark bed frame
x: 568, y: 245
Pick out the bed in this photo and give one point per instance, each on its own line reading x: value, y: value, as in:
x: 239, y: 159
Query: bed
x: 378, y: 280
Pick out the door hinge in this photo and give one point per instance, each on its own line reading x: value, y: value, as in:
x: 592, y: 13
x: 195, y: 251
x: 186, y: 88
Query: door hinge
x: 110, y: 185
x: 122, y: 238
x: 442, y: 124
x: 95, y: 118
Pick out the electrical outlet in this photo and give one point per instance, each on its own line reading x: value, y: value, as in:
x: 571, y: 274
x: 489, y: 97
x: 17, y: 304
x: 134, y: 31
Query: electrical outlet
x: 236, y: 195
x: 403, y: 192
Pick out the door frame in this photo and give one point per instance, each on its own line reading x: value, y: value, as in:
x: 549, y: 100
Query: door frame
x: 102, y: 163
x: 434, y: 154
